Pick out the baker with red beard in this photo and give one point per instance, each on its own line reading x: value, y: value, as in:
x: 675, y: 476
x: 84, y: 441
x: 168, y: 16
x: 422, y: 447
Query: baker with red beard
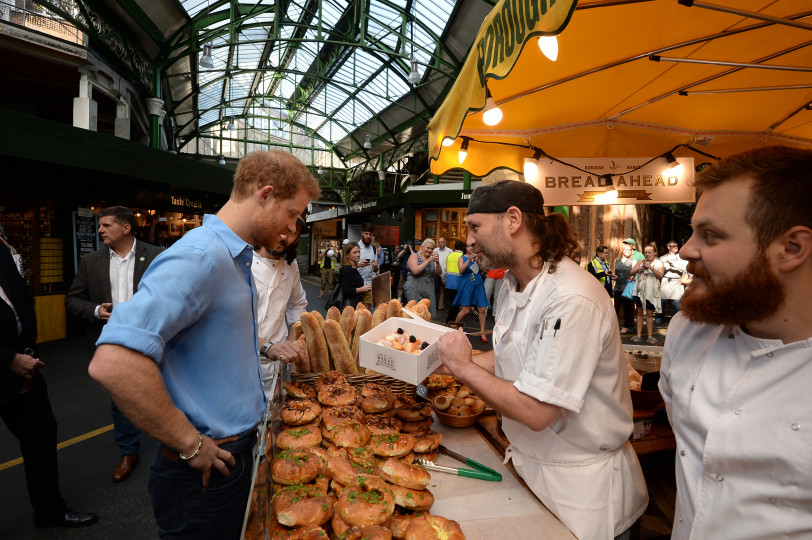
x: 737, y: 364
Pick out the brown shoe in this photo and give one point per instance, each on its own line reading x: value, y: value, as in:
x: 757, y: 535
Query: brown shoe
x: 125, y: 468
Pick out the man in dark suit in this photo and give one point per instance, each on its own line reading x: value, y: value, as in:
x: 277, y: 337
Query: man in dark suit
x: 24, y: 403
x: 105, y: 278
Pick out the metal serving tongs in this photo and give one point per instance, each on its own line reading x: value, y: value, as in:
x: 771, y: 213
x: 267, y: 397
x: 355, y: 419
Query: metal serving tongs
x: 479, y: 470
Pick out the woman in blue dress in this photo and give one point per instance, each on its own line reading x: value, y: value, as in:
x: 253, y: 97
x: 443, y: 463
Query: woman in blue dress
x: 471, y: 291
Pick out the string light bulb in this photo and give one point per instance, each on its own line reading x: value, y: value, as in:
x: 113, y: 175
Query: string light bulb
x: 610, y: 195
x: 463, y: 150
x: 492, y: 114
x: 674, y: 167
x: 448, y: 141
x: 549, y: 47
x: 531, y: 166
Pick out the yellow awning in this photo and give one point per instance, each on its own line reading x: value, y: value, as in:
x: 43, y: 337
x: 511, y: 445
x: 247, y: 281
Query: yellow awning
x: 607, y: 95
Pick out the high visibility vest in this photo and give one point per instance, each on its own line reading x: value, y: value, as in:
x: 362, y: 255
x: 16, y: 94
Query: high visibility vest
x: 597, y: 266
x: 452, y: 270
x: 332, y: 259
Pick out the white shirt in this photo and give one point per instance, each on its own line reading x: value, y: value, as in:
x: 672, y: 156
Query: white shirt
x: 121, y: 275
x: 443, y: 253
x: 367, y: 252
x: 278, y: 284
x: 670, y: 286
x: 741, y: 409
x: 580, y: 368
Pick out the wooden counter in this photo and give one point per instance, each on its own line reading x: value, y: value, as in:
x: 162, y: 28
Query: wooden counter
x: 487, y: 510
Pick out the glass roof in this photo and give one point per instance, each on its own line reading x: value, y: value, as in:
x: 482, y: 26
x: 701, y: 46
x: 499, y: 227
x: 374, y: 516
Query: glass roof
x: 312, y: 74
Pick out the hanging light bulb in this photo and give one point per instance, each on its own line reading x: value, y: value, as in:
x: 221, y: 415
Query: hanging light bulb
x: 448, y: 141
x: 549, y: 47
x: 675, y: 168
x: 368, y: 141
x: 320, y: 171
x: 231, y: 125
x: 531, y: 166
x: 222, y: 160
x: 610, y: 195
x: 205, y: 58
x: 414, y: 74
x: 492, y: 114
x: 463, y: 150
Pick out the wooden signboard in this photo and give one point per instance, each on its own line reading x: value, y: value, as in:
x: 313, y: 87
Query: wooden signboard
x: 381, y: 289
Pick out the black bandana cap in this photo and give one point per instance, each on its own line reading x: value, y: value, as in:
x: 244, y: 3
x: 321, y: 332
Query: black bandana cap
x: 498, y: 197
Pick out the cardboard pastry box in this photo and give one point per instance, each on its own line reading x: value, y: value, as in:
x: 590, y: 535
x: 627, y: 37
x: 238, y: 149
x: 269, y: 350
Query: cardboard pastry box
x: 401, y: 365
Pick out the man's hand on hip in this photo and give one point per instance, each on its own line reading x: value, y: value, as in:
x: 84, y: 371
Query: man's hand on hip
x: 212, y: 456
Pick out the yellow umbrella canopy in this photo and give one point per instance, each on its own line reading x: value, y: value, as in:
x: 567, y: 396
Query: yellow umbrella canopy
x: 635, y: 79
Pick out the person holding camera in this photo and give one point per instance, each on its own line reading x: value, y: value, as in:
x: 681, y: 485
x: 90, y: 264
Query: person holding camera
x: 423, y: 264
x: 649, y: 272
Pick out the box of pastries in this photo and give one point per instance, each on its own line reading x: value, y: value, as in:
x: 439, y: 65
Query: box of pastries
x: 402, y: 349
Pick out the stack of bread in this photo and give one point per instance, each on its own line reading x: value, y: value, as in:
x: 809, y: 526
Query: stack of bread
x: 635, y: 378
x: 346, y: 466
x: 332, y: 342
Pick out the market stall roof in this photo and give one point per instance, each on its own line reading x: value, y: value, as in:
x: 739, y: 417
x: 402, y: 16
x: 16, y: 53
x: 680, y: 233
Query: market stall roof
x: 336, y: 82
x: 634, y: 78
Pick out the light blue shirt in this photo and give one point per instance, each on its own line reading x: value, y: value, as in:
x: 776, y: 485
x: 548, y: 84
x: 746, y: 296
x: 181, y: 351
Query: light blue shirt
x: 367, y: 252
x: 194, y: 314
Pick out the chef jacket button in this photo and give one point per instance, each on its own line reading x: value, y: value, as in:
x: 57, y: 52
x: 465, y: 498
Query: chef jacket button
x: 680, y: 518
x: 773, y: 500
x: 795, y: 426
x: 692, y: 388
x: 769, y: 355
x: 730, y: 336
x: 682, y: 452
x: 720, y: 477
x: 738, y: 412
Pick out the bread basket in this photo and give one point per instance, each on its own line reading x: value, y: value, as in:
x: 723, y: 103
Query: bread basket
x: 454, y: 420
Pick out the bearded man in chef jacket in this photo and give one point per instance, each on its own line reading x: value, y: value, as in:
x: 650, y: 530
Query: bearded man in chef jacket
x: 557, y: 371
x: 737, y: 362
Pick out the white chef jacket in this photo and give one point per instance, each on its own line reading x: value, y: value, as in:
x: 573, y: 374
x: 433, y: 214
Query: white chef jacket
x: 278, y: 284
x: 741, y: 409
x: 582, y: 467
x: 670, y: 286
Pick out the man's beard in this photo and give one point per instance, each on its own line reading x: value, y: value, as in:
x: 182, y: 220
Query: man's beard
x: 751, y: 295
x: 497, y: 254
x: 266, y: 230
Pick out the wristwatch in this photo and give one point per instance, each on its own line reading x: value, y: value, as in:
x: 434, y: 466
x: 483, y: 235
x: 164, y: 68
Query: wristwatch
x: 263, y: 351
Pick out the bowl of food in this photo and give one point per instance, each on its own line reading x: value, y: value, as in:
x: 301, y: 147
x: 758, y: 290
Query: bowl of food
x: 458, y: 411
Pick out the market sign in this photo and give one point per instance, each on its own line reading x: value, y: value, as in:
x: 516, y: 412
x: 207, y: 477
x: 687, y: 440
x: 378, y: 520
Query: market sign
x: 325, y: 228
x: 584, y: 183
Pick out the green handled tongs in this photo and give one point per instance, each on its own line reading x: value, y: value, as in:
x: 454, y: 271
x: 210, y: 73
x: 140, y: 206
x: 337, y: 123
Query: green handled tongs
x: 479, y: 470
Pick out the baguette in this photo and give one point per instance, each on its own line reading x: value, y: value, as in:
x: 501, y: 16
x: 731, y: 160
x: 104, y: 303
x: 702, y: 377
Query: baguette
x: 379, y: 316
x: 333, y: 314
x: 318, y: 317
x: 426, y: 303
x: 303, y: 367
x: 339, y: 350
x: 297, y: 330
x: 347, y: 322
x: 421, y: 311
x: 361, y: 305
x: 410, y: 304
x: 394, y: 308
x: 363, y: 324
x: 317, y: 351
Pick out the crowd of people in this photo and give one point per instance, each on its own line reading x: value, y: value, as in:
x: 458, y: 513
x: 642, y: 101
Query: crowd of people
x: 185, y: 362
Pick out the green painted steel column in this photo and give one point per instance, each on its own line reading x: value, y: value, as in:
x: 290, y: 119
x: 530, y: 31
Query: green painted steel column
x: 466, y: 181
x: 436, y: 179
x: 155, y: 120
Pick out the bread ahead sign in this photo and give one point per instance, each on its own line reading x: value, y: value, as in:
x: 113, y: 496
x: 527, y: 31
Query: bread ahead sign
x: 635, y: 181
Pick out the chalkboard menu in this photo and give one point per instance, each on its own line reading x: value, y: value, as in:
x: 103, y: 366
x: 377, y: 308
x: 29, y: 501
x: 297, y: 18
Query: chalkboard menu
x: 85, y: 235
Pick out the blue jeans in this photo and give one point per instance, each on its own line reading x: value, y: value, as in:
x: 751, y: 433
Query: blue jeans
x: 674, y: 305
x: 183, y: 508
x: 128, y: 437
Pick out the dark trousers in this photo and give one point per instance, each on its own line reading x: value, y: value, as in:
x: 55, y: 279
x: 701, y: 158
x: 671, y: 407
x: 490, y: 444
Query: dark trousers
x: 183, y: 508
x: 438, y: 287
x: 627, y: 306
x: 451, y: 309
x: 128, y: 437
x: 29, y: 417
